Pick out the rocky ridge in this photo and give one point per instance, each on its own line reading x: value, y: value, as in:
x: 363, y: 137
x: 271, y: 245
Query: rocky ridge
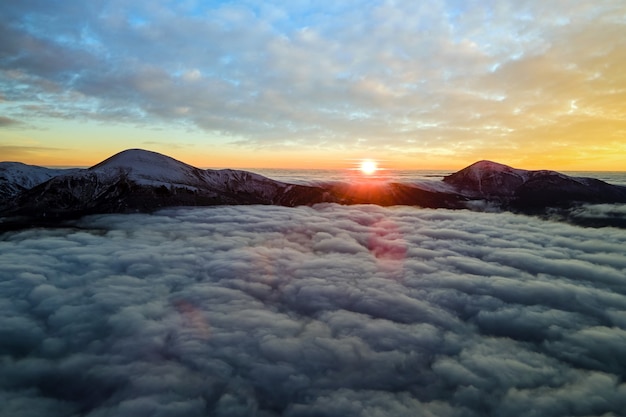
x: 137, y: 180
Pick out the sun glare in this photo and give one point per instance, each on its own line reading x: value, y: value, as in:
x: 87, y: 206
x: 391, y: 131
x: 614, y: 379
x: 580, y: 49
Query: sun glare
x: 368, y: 167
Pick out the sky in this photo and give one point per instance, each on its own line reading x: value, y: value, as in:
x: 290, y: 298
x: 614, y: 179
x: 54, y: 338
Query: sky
x: 313, y: 311
x: 316, y: 84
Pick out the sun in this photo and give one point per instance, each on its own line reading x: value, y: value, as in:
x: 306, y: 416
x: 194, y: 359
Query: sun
x: 368, y: 167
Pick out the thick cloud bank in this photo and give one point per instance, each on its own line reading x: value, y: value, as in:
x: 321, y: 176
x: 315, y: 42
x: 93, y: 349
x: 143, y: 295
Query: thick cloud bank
x: 323, y: 311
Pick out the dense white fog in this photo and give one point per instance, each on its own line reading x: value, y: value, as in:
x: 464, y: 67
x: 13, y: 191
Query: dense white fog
x: 324, y: 311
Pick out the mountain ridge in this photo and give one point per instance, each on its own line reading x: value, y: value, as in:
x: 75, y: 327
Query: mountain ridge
x: 137, y: 180
x: 530, y: 188
x: 16, y: 177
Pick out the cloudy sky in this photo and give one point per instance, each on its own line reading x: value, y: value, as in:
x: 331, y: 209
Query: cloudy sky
x: 313, y: 311
x: 430, y: 84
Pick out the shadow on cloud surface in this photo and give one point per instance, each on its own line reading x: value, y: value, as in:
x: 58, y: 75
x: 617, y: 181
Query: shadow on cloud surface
x: 323, y: 311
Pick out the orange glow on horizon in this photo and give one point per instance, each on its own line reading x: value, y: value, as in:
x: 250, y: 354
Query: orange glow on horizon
x: 220, y: 161
x: 237, y: 158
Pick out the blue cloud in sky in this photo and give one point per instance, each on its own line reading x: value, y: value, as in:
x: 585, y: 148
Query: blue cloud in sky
x: 265, y: 73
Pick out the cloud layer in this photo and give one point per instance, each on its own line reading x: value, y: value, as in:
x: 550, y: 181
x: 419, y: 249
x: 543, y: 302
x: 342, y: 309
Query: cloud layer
x: 440, y: 78
x: 325, y: 311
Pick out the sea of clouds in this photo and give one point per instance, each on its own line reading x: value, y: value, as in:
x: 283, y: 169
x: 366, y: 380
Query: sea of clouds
x: 313, y: 311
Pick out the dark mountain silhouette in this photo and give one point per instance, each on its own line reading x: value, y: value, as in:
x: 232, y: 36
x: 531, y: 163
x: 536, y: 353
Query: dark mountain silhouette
x: 523, y: 190
x: 137, y: 180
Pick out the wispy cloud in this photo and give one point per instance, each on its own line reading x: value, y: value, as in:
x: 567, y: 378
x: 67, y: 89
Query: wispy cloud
x: 472, y: 77
x: 18, y: 153
x: 7, y: 121
x: 327, y: 310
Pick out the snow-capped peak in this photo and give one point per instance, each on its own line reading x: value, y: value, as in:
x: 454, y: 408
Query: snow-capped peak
x: 140, y: 160
x: 484, y: 168
x: 485, y: 178
x: 148, y: 168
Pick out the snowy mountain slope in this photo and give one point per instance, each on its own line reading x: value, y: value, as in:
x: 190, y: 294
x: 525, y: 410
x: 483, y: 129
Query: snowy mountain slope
x: 149, y: 168
x: 518, y: 188
x: 146, y: 168
x: 486, y: 178
x: 16, y: 177
x: 139, y: 180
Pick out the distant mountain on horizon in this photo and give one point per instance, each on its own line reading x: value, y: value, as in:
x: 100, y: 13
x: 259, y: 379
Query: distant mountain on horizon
x: 525, y: 189
x: 137, y: 180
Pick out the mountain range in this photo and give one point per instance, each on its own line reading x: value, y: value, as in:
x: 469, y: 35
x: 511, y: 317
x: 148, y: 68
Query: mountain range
x: 138, y: 180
